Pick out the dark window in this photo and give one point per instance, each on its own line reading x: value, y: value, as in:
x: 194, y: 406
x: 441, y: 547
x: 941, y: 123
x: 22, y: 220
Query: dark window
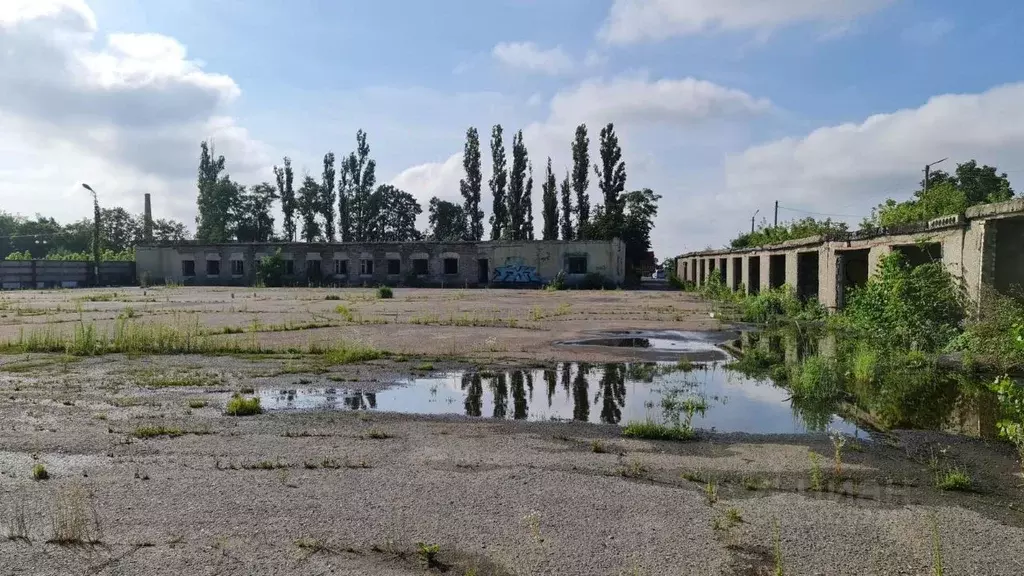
x: 451, y: 266
x: 237, y: 267
x: 366, y: 267
x: 577, y: 264
x: 188, y: 267
x: 289, y: 267
x: 419, y: 267
x: 213, y: 267
x: 341, y: 267
x: 313, y: 268
x: 394, y: 267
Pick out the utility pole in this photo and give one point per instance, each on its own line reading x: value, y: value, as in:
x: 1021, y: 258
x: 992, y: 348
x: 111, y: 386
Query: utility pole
x: 928, y: 172
x: 776, y: 214
x: 752, y: 220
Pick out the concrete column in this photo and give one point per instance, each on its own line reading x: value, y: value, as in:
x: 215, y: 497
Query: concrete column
x: 766, y: 278
x: 828, y: 288
x: 791, y: 262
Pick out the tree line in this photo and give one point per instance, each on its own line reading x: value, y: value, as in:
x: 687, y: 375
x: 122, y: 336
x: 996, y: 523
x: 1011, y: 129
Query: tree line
x: 944, y: 194
x: 347, y: 204
x: 46, y: 238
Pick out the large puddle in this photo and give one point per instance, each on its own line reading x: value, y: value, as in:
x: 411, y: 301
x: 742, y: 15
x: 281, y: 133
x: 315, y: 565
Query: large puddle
x: 614, y: 393
x: 661, y: 344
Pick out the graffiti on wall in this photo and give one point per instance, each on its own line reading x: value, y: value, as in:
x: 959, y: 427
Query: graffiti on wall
x: 515, y: 272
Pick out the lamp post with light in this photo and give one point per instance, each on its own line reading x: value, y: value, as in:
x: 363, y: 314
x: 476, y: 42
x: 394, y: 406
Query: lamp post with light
x: 95, y: 234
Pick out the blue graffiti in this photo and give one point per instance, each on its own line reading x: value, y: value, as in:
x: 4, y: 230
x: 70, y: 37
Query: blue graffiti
x: 516, y: 274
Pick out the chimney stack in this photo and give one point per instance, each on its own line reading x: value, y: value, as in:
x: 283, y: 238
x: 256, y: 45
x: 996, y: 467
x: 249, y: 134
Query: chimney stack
x: 147, y: 225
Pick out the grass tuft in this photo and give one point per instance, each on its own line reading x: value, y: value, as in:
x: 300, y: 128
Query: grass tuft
x: 154, y: 431
x: 651, y: 430
x: 385, y: 293
x: 74, y: 518
x: 954, y: 479
x: 239, y: 405
x: 39, y: 472
x: 377, y: 434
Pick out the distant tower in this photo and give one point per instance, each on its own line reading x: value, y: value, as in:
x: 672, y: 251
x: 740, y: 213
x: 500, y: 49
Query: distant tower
x: 147, y: 224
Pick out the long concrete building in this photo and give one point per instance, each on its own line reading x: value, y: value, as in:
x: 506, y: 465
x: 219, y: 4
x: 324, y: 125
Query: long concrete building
x: 984, y: 247
x: 460, y: 264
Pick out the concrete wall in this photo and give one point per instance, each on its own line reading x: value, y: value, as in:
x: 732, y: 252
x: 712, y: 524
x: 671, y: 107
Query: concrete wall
x: 475, y: 263
x: 15, y: 274
x: 982, y: 247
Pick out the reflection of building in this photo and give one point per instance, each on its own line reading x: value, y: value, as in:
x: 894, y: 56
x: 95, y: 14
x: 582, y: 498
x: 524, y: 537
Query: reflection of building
x: 407, y: 263
x: 981, y: 247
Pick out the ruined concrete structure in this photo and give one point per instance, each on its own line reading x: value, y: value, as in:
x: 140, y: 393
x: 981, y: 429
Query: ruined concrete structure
x: 982, y: 247
x: 404, y: 263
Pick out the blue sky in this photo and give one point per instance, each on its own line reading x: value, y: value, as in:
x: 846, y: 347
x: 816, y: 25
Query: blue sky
x: 722, y: 106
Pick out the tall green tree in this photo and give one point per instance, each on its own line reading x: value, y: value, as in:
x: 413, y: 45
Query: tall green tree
x: 362, y: 172
x: 395, y: 212
x: 517, y: 189
x: 640, y: 207
x: 549, y: 192
x: 499, y: 178
x: 344, y: 200
x: 256, y: 220
x: 309, y: 208
x: 470, y: 185
x: 447, y: 221
x: 215, y: 204
x: 581, y: 178
x: 944, y: 195
x: 611, y: 180
x: 528, y: 204
x: 568, y: 233
x: 327, y: 196
x: 285, y: 179
x: 119, y: 229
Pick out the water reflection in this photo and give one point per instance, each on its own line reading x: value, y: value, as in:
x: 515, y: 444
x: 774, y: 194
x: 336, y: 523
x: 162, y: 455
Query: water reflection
x: 910, y: 392
x: 612, y: 393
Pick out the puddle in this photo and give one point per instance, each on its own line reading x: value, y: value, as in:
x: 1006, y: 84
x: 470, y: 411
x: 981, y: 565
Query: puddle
x: 698, y: 346
x: 613, y: 393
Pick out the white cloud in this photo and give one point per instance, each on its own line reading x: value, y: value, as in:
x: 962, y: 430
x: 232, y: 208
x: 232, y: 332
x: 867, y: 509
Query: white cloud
x: 127, y: 113
x: 850, y: 168
x: 631, y: 21
x: 528, y: 56
x: 645, y: 112
x: 623, y: 99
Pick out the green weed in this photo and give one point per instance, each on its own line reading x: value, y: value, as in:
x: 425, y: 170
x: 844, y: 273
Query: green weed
x: 954, y: 479
x: 39, y: 472
x: 385, y: 293
x: 428, y: 553
x: 238, y: 405
x: 651, y: 430
x: 154, y: 431
x: 817, y: 478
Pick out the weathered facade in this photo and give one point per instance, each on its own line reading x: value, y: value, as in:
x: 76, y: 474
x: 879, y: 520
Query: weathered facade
x: 464, y: 264
x: 15, y: 274
x: 984, y: 247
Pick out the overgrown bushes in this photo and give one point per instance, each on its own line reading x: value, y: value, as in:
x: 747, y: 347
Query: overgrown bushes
x: 270, y: 270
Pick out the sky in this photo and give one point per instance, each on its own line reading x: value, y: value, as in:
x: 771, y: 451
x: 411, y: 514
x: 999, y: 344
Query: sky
x: 723, y: 107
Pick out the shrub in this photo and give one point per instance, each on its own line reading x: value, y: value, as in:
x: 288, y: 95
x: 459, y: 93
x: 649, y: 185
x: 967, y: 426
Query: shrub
x: 817, y: 378
x: 270, y: 269
x: 332, y: 297
x: 239, y: 405
x: 903, y: 308
x: 385, y: 292
x: 595, y: 281
x: 954, y: 479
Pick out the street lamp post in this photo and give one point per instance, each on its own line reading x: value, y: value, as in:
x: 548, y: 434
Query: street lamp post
x: 752, y: 220
x: 928, y: 172
x: 95, y: 234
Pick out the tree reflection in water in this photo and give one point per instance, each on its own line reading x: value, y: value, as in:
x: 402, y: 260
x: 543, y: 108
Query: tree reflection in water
x: 519, y: 406
x: 500, y: 389
x: 472, y: 385
x: 612, y: 393
x: 551, y: 379
x: 580, y: 393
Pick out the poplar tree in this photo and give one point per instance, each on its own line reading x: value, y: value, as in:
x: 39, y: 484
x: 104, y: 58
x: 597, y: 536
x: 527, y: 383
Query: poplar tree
x: 549, y: 190
x: 471, y: 184
x: 499, y: 178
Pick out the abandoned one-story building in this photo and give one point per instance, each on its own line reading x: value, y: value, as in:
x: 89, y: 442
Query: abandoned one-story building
x: 401, y: 263
x: 984, y: 247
